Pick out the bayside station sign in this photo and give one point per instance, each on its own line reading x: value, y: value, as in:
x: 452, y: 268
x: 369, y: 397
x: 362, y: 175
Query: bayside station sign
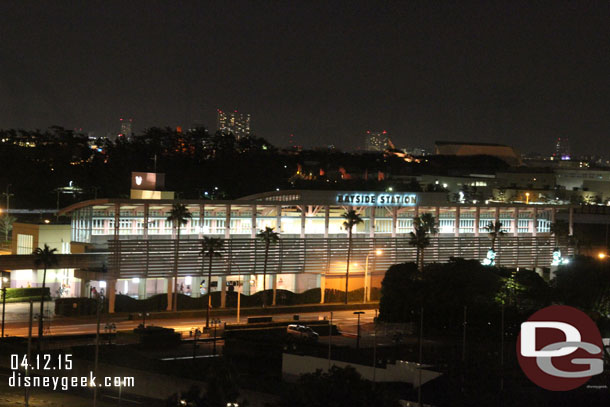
x: 377, y: 199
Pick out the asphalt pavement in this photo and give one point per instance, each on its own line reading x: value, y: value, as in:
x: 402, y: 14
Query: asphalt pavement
x: 345, y: 320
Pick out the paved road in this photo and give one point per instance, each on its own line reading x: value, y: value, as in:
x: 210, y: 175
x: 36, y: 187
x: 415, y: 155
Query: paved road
x: 19, y: 311
x: 346, y: 320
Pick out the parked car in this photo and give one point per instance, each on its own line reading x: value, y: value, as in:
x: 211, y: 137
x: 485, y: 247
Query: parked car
x: 301, y: 332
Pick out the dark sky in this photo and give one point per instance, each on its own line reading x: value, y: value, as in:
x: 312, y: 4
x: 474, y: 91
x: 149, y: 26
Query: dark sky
x: 522, y: 73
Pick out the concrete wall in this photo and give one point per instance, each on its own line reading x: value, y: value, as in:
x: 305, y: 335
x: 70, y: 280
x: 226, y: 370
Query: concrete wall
x: 402, y: 371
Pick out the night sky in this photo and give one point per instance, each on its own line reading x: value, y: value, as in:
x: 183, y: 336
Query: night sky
x: 506, y: 72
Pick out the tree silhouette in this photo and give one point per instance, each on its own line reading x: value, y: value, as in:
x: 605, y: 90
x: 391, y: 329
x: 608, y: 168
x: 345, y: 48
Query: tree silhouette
x: 268, y: 236
x: 494, y: 230
x: 351, y: 219
x: 179, y: 216
x: 46, y: 258
x: 210, y: 248
x: 560, y: 230
x: 423, y: 227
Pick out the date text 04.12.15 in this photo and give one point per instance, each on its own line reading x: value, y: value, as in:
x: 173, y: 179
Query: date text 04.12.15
x: 42, y: 362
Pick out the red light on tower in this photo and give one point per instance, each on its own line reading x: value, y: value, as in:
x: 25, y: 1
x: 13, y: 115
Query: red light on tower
x: 384, y: 132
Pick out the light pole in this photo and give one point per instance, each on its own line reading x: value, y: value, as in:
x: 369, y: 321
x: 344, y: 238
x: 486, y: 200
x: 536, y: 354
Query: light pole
x: 330, y: 335
x: 366, y: 295
x: 358, y: 334
x: 239, y: 285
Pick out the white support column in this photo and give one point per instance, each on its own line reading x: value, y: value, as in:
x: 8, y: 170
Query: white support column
x: 303, y: 209
x: 201, y: 220
x: 322, y: 287
x: 326, y: 220
x: 571, y: 221
x: 278, y: 219
x: 227, y: 221
x: 372, y: 223
x: 111, y: 294
x: 145, y: 223
x: 456, y: 230
x: 170, y: 292
x: 497, y: 215
x: 534, y: 227
x: 142, y: 289
x: 394, y: 220
x: 195, y: 291
x: 477, y: 221
x: 253, y: 221
x: 84, y: 287
x: 516, y: 216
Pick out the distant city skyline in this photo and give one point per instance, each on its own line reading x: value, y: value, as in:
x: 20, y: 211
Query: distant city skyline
x: 515, y: 73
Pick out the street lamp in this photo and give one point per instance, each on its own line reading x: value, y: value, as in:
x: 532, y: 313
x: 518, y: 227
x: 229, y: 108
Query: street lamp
x: 239, y: 286
x: 527, y: 197
x: 366, y: 294
x: 358, y: 333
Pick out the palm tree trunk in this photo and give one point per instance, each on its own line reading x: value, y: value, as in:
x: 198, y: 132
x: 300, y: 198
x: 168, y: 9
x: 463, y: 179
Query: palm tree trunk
x: 177, y: 249
x: 265, y: 274
x: 207, y: 315
x: 421, y: 258
x: 44, y: 278
x: 349, y: 252
x: 417, y: 256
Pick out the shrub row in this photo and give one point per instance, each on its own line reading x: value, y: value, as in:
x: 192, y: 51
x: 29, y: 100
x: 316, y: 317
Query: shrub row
x: 158, y: 302
x: 70, y: 307
x: 25, y: 294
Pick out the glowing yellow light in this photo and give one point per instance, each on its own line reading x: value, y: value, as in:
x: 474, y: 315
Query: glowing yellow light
x: 378, y: 252
x: 601, y: 255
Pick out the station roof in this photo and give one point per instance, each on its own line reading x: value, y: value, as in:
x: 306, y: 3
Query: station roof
x: 297, y: 197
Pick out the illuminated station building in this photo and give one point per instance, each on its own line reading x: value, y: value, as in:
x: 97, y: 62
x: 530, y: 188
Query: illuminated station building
x: 312, y: 249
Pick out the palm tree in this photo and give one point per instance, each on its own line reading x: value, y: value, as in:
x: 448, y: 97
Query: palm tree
x: 179, y: 216
x: 428, y: 221
x: 268, y: 236
x: 561, y: 230
x: 423, y: 226
x: 494, y: 229
x: 210, y: 248
x: 351, y: 219
x: 46, y: 258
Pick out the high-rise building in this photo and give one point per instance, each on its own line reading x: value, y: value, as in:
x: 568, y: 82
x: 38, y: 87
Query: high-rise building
x: 233, y: 122
x: 377, y: 141
x: 126, y: 128
x: 562, y: 149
